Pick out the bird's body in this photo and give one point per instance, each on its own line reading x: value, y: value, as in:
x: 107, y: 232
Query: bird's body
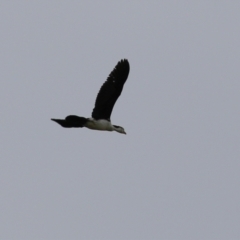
x: 100, y: 124
x: 106, y: 98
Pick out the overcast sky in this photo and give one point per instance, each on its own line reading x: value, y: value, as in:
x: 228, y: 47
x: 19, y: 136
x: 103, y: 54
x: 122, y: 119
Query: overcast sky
x: 175, y: 175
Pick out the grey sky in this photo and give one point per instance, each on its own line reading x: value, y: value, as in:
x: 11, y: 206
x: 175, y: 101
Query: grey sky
x: 175, y: 175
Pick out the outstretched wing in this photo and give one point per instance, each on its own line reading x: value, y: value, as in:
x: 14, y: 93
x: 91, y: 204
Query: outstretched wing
x: 110, y: 91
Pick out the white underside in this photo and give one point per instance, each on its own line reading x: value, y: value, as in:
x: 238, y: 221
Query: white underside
x: 100, y: 124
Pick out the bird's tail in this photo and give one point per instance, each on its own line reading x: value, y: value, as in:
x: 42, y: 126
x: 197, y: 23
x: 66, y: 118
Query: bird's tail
x: 71, y: 121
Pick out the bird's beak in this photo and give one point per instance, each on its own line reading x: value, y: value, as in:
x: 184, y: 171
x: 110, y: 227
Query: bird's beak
x: 125, y: 133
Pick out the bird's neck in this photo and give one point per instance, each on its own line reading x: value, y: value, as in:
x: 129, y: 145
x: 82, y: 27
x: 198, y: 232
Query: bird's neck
x: 116, y: 129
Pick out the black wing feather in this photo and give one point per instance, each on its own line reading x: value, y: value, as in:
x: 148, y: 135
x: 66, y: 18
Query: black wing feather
x: 110, y: 91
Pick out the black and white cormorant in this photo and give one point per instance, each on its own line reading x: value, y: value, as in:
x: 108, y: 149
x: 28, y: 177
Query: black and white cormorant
x: 106, y: 98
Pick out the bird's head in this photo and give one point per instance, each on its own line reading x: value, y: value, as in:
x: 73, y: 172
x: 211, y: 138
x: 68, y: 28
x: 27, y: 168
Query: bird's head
x: 119, y: 129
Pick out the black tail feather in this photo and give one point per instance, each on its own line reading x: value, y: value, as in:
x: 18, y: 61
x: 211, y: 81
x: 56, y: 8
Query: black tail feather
x: 71, y: 121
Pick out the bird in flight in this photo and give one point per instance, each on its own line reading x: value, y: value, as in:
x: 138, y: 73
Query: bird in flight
x: 106, y: 98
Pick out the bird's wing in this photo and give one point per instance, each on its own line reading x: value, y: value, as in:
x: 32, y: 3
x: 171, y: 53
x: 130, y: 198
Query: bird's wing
x: 110, y: 91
